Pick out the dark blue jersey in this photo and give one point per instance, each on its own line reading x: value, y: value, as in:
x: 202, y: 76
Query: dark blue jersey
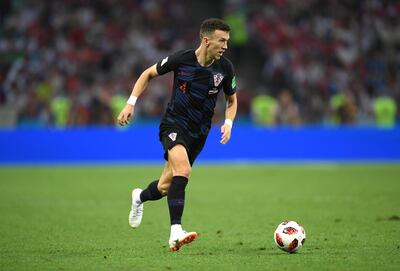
x: 195, y: 90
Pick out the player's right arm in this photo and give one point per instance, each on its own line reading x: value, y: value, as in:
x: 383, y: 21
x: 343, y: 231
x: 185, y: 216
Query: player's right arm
x: 127, y: 113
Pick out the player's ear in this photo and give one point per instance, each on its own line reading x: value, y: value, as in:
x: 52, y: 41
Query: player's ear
x: 206, y: 40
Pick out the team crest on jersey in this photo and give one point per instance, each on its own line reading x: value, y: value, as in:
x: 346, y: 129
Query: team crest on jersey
x: 172, y: 136
x: 218, y: 79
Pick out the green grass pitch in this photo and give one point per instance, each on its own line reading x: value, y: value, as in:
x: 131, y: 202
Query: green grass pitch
x: 75, y: 218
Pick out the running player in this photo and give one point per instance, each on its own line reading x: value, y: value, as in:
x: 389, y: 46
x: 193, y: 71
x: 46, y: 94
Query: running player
x: 199, y: 75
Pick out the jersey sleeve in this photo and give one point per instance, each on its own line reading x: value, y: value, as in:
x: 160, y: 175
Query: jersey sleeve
x: 230, y: 80
x: 169, y: 63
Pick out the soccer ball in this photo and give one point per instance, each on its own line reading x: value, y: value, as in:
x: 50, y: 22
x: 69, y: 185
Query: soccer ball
x: 289, y: 236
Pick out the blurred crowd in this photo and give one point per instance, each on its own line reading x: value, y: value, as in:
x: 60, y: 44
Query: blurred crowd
x: 331, y: 61
x: 74, y: 62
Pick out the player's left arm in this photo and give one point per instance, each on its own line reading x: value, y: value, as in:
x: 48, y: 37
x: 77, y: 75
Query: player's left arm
x: 230, y: 113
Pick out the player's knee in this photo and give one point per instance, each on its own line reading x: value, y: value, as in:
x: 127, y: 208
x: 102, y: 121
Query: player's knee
x: 184, y: 171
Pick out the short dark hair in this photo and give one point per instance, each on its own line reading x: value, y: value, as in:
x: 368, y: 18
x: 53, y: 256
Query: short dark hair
x: 210, y: 25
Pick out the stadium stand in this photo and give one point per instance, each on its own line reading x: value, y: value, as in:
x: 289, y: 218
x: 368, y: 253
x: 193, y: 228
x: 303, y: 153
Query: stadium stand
x: 72, y: 63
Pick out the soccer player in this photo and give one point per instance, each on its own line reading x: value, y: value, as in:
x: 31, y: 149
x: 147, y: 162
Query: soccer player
x: 199, y: 75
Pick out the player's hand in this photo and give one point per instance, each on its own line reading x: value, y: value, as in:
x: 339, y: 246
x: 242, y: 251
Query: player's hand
x: 226, y: 133
x: 126, y: 115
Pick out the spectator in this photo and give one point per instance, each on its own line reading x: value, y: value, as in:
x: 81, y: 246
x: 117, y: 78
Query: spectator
x: 385, y: 111
x: 262, y: 109
x: 286, y: 111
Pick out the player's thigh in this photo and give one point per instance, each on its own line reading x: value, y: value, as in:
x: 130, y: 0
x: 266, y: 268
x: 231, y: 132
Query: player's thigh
x: 179, y: 161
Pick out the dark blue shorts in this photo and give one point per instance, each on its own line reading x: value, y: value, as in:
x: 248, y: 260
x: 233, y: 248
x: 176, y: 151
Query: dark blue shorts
x: 171, y: 136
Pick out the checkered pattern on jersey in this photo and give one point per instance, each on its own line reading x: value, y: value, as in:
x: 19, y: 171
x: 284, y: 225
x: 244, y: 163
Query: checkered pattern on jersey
x: 195, y: 92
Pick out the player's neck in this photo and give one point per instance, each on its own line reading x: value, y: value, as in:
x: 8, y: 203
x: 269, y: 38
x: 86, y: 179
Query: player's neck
x: 203, y: 58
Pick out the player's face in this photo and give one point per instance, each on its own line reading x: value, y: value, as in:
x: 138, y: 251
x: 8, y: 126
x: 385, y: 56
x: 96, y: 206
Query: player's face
x: 218, y: 43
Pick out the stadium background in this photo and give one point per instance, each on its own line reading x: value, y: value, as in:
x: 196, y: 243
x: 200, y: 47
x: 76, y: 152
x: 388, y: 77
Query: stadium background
x: 300, y: 64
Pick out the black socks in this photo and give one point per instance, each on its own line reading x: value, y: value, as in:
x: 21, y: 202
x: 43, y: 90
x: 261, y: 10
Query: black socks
x: 176, y: 198
x: 151, y: 192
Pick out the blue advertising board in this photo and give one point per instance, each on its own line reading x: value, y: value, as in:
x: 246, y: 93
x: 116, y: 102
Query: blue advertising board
x: 140, y: 144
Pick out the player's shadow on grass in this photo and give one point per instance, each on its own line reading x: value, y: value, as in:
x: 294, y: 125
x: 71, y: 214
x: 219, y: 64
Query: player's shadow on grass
x: 247, y: 250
